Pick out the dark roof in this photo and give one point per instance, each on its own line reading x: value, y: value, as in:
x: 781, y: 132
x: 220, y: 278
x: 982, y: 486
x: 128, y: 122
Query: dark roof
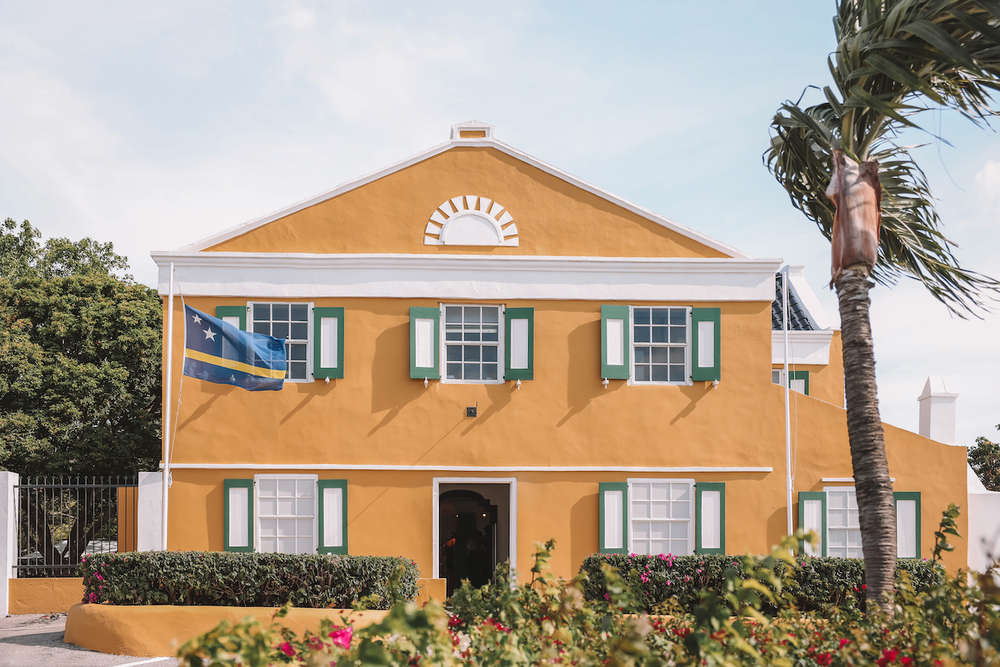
x: 796, y: 312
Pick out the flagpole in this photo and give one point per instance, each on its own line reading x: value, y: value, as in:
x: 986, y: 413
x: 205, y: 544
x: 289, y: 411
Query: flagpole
x: 785, y: 325
x: 166, y: 409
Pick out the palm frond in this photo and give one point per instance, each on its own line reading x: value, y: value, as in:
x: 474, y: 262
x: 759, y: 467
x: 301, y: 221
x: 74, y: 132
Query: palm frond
x: 894, y: 60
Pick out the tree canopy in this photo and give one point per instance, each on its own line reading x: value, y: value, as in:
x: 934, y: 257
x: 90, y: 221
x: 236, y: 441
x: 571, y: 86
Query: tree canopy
x: 984, y: 458
x: 80, y: 378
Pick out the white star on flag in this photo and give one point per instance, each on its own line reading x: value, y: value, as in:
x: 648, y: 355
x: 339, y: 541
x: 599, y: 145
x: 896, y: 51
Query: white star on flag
x: 197, y: 320
x: 209, y: 334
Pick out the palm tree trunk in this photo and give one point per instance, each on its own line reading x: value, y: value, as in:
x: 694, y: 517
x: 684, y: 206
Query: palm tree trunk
x: 876, y: 508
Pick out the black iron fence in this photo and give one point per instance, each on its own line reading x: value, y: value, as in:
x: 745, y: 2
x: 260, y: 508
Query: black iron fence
x: 59, y: 520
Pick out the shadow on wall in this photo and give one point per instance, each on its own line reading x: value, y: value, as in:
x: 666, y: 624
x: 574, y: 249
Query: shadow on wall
x: 583, y: 381
x: 392, y: 389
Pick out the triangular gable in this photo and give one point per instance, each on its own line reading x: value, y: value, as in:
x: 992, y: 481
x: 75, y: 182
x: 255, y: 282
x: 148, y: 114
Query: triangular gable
x: 565, y: 216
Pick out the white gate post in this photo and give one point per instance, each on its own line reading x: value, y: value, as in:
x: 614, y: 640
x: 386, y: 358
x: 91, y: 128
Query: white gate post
x: 8, y: 537
x: 150, y: 514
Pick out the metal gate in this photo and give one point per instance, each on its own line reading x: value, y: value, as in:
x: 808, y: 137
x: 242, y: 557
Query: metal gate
x: 59, y: 520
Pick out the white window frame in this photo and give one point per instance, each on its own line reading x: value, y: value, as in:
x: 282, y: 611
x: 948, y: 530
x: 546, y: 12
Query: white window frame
x: 688, y: 347
x: 501, y: 343
x: 436, y: 517
x: 692, y: 546
x: 835, y: 489
x: 309, y: 332
x: 781, y: 378
x: 256, y: 506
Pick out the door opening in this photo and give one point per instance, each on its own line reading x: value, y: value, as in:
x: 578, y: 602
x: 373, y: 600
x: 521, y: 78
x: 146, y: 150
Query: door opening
x: 473, y: 532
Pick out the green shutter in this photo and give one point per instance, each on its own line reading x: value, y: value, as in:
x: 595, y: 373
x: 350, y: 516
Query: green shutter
x: 618, y: 317
x: 428, y: 370
x: 233, y: 311
x: 821, y: 528
x: 706, y: 330
x: 327, y: 541
x: 915, y: 496
x: 799, y: 375
x: 229, y: 519
x: 334, y: 349
x: 525, y: 349
x: 700, y: 489
x: 604, y: 519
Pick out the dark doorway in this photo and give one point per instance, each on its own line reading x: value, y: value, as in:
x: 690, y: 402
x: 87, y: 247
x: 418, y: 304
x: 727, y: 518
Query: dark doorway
x: 473, y: 532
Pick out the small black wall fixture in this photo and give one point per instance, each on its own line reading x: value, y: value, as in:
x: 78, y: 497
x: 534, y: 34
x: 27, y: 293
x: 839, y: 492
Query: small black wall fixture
x: 472, y: 410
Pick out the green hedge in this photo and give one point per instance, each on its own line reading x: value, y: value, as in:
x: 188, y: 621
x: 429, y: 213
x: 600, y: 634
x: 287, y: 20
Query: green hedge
x: 821, y: 581
x: 247, y: 579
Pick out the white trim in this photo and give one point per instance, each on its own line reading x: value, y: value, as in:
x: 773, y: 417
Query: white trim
x: 688, y: 360
x: 840, y: 480
x: 436, y: 518
x: 278, y: 276
x: 443, y: 343
x: 488, y: 142
x: 804, y: 347
x: 351, y: 466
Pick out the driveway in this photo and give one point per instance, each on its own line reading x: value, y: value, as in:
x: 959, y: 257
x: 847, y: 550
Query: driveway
x: 36, y: 640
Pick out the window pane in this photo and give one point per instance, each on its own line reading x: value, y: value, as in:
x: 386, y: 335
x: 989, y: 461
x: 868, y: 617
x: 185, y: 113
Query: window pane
x: 454, y: 371
x: 491, y: 315
x: 640, y: 315
x: 676, y: 355
x: 676, y: 374
x: 659, y: 355
x: 471, y: 315
x: 279, y: 330
x: 491, y: 334
x: 262, y: 311
x: 297, y: 352
x: 450, y: 335
x: 661, y: 335
x: 642, y: 373
x: 660, y: 374
x: 489, y: 353
x: 453, y: 352
x: 678, y: 316
x: 678, y: 335
x: 661, y: 315
x: 262, y: 328
x: 471, y: 371
x: 452, y: 314
x: 279, y: 311
x: 296, y: 370
x: 641, y: 334
x: 300, y: 331
x: 472, y: 353
x: 489, y: 371
x: 299, y: 312
x: 472, y: 336
x: 642, y: 355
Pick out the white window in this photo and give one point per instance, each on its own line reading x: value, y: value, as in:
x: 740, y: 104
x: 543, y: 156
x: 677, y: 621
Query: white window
x: 286, y: 514
x: 660, y: 516
x: 292, y: 323
x: 661, y: 338
x: 843, y: 531
x: 473, y: 344
x: 800, y: 380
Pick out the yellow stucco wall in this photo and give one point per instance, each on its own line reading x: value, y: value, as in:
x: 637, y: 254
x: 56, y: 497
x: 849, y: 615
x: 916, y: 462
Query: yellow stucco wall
x: 389, y: 215
x: 377, y: 415
x: 44, y: 595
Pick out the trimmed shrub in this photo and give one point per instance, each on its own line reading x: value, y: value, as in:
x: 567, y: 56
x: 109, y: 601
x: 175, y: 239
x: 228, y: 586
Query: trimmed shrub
x: 817, y: 581
x: 248, y: 579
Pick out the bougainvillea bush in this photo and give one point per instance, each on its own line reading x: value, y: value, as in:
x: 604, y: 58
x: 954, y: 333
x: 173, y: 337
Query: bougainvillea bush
x: 549, y: 622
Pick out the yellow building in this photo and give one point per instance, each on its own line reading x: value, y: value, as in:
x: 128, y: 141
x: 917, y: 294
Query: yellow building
x: 486, y: 352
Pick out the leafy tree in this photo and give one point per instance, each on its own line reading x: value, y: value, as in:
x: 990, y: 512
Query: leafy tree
x: 79, y: 380
x: 984, y: 458
x: 841, y: 165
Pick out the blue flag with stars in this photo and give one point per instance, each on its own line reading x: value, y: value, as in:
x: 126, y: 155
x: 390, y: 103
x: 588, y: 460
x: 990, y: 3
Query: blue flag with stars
x: 218, y: 352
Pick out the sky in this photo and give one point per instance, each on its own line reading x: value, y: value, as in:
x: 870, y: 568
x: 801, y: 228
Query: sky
x: 153, y: 125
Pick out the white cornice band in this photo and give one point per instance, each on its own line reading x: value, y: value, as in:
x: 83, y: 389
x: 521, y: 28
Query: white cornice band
x: 804, y: 347
x: 340, y: 466
x: 279, y: 275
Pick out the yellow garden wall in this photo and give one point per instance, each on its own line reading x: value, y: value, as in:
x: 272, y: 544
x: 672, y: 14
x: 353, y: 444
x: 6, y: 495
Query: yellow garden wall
x: 159, y: 630
x: 44, y: 596
x: 389, y: 215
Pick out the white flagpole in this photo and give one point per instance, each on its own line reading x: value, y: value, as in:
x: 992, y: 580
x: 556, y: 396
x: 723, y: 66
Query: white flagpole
x: 787, y: 382
x: 166, y: 408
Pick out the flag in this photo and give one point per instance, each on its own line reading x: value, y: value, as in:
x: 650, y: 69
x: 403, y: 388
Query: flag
x: 218, y: 352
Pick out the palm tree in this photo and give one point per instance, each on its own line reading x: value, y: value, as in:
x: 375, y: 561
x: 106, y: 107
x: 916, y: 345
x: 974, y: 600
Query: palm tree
x: 843, y: 168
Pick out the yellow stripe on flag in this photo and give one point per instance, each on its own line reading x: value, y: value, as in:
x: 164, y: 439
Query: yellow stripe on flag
x: 234, y: 365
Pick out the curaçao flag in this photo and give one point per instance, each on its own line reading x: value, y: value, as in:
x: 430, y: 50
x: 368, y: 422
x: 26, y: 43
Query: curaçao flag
x: 218, y: 352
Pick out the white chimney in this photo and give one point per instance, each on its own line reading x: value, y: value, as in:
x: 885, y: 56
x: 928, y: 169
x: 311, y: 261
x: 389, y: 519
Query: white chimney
x: 937, y: 411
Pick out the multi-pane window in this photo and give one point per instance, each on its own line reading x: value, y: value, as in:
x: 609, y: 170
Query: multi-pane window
x: 660, y: 517
x: 472, y: 343
x: 660, y: 338
x: 290, y: 322
x: 286, y: 514
x: 842, y: 527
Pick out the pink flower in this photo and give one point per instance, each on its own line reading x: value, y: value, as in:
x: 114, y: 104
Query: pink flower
x: 287, y: 649
x: 824, y: 659
x: 342, y: 637
x: 844, y: 642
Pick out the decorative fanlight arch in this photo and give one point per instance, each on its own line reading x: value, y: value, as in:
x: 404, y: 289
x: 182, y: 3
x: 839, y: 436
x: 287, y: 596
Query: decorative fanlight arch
x: 471, y: 220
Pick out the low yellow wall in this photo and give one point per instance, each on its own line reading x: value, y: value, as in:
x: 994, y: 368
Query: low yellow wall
x: 431, y: 589
x: 159, y: 630
x: 44, y: 596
